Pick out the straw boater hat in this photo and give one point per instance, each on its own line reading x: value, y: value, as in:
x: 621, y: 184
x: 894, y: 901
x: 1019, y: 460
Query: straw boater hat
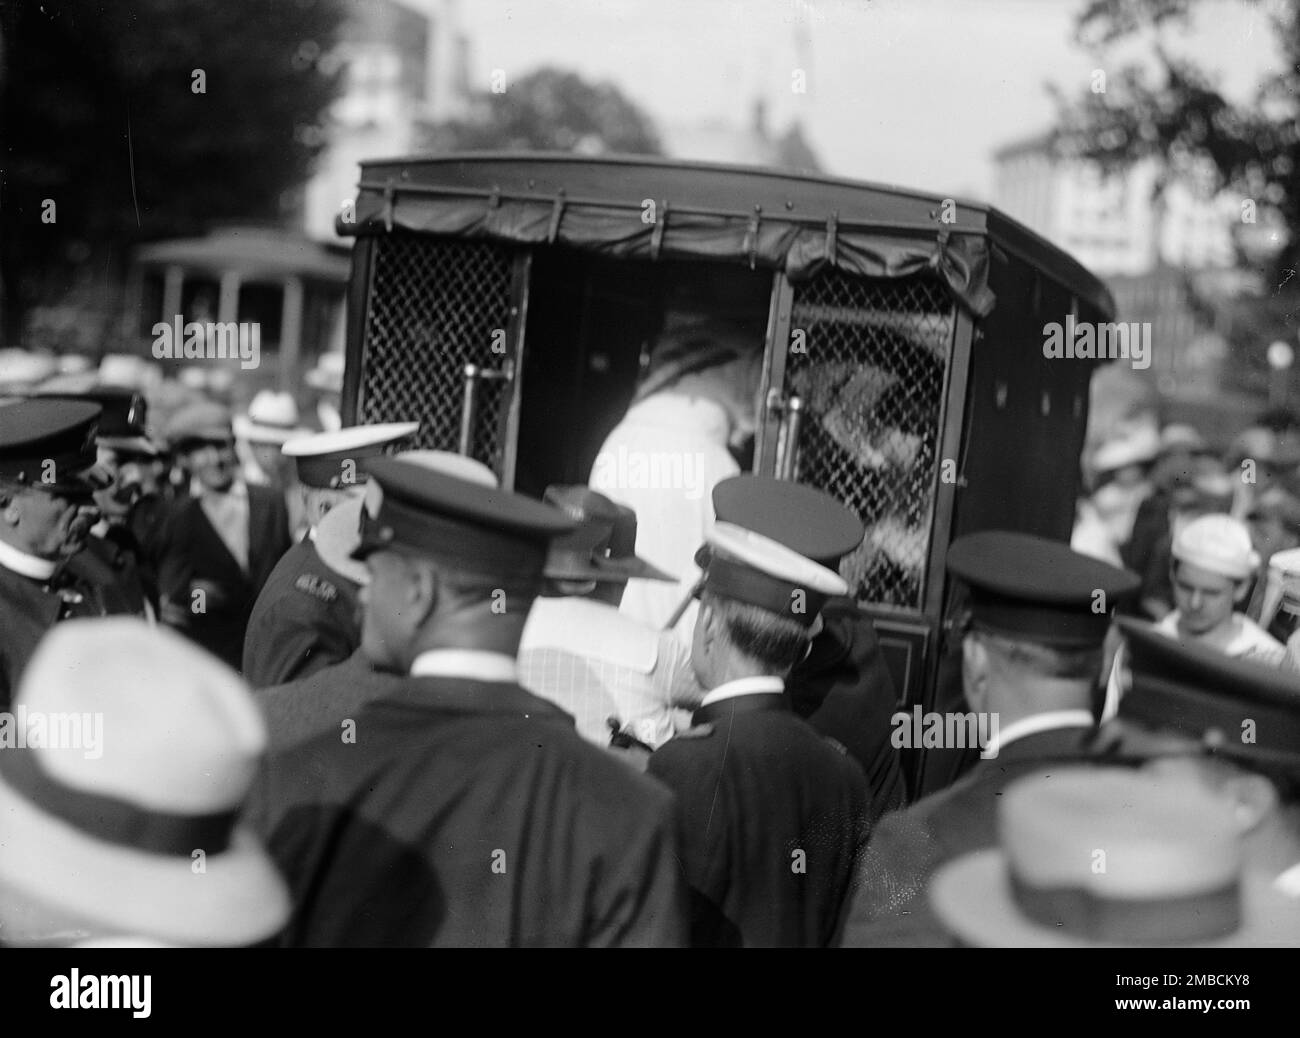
x: 112, y: 837
x: 198, y: 422
x: 327, y: 375
x: 1140, y: 446
x: 272, y: 418
x: 1172, y: 874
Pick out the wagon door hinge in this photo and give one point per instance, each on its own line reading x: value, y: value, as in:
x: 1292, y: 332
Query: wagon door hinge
x: 557, y: 214
x: 751, y: 236
x: 657, y: 235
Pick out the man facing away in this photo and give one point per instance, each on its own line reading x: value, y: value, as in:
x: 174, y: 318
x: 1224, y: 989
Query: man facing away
x: 772, y: 814
x: 581, y: 653
x: 460, y: 809
x: 842, y: 687
x: 664, y: 458
x: 1031, y: 657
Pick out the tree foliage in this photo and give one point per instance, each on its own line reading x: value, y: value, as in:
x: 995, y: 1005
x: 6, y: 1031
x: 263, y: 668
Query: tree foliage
x: 148, y: 118
x: 550, y: 110
x: 1180, y: 115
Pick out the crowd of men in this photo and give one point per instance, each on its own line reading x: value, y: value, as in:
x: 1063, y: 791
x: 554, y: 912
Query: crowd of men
x: 372, y: 698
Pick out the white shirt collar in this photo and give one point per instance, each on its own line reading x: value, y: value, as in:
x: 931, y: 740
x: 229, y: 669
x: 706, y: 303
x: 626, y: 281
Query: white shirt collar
x: 1034, y: 724
x: 745, y: 687
x: 27, y: 565
x: 465, y: 663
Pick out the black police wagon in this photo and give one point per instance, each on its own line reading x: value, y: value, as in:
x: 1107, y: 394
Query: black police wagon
x: 509, y: 301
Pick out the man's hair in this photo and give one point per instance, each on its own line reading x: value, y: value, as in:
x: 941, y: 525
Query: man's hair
x: 316, y: 501
x: 1045, y: 660
x: 776, y: 642
x: 469, y: 586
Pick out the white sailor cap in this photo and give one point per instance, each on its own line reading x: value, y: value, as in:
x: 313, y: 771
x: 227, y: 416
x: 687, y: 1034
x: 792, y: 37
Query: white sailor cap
x: 1218, y: 543
x: 747, y: 567
x: 333, y: 459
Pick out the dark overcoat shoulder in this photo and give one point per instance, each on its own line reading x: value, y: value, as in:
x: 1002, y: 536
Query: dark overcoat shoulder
x: 304, y: 619
x: 772, y: 817
x: 460, y: 813
x: 890, y: 906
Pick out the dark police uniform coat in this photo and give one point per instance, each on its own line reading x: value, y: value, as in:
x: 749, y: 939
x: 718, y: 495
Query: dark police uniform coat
x: 191, y: 550
x: 320, y: 703
x: 772, y: 816
x: 890, y: 906
x: 112, y: 566
x: 469, y: 813
x: 844, y: 690
x: 29, y: 608
x: 304, y: 619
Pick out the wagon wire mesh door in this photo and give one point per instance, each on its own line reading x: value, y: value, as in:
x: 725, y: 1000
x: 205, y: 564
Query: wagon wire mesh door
x: 871, y: 377
x: 437, y: 305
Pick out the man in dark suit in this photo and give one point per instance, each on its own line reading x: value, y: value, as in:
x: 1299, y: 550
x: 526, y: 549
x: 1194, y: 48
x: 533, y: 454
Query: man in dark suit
x: 458, y: 809
x: 772, y: 814
x: 1031, y: 657
x: 843, y: 687
x: 47, y: 479
x: 219, y: 545
x: 306, y: 616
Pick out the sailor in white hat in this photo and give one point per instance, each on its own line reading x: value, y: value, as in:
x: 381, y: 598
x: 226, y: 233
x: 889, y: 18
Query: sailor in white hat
x: 121, y: 824
x: 305, y: 617
x: 1211, y: 571
x: 753, y: 780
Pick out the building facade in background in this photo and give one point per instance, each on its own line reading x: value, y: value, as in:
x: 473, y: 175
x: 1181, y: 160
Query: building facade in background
x: 1167, y: 251
x: 406, y: 62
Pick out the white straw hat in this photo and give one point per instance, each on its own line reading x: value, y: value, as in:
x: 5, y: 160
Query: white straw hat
x: 134, y: 826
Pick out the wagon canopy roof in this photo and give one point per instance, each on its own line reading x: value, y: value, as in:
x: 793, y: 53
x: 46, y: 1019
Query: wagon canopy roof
x: 636, y: 207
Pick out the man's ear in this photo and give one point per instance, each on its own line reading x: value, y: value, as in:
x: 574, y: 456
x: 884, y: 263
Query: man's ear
x: 423, y: 589
x: 975, y: 668
x: 1243, y: 587
x: 709, y: 621
x: 1255, y: 798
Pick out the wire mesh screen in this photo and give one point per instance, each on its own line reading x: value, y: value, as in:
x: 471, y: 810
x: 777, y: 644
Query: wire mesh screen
x: 871, y: 378
x: 435, y: 306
